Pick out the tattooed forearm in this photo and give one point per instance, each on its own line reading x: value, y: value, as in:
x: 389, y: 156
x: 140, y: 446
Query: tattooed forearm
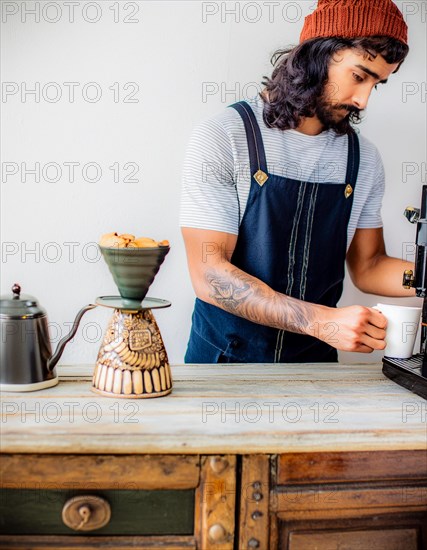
x: 248, y: 297
x: 229, y: 292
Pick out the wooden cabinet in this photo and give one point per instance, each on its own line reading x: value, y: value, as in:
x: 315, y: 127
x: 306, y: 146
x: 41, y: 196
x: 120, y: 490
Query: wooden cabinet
x: 295, y: 501
x: 194, y: 471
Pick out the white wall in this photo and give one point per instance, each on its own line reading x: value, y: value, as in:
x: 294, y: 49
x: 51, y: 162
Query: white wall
x: 173, y: 51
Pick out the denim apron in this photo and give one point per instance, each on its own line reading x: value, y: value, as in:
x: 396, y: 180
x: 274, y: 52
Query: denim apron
x: 293, y: 237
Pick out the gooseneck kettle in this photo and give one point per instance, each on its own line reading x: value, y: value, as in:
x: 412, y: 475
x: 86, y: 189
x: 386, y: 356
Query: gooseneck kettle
x: 26, y: 359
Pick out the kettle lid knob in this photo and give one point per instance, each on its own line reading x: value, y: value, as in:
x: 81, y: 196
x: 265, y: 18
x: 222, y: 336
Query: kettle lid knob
x: 16, y: 289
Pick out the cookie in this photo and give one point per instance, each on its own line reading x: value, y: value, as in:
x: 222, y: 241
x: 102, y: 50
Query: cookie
x: 112, y: 239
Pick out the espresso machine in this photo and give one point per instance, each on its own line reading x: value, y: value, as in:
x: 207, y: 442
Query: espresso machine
x: 412, y: 373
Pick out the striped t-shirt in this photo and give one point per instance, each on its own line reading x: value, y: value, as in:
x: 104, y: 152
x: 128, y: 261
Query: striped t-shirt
x: 217, y: 179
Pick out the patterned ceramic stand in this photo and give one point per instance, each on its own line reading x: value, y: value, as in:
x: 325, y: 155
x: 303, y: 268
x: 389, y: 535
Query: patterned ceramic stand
x: 132, y: 361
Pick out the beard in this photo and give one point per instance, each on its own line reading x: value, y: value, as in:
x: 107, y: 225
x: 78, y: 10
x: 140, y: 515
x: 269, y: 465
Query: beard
x: 331, y: 116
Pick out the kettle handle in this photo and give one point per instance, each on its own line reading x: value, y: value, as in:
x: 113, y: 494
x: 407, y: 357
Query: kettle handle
x: 64, y: 341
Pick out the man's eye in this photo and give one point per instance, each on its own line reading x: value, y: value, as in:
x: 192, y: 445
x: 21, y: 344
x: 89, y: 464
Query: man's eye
x: 357, y: 77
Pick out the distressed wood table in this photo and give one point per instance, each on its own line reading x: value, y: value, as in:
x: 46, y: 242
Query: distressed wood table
x: 291, y: 456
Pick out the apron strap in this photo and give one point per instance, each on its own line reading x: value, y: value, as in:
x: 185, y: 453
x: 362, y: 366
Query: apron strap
x: 353, y: 159
x: 257, y: 158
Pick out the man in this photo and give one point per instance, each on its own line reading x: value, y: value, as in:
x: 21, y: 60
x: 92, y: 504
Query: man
x: 280, y: 192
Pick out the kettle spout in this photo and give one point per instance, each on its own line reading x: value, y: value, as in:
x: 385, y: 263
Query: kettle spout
x: 62, y: 343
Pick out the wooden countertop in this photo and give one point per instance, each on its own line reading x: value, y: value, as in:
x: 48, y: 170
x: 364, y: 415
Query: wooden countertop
x: 225, y: 408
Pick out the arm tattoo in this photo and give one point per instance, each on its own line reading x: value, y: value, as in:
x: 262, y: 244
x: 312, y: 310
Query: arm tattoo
x: 229, y: 292
x: 248, y: 297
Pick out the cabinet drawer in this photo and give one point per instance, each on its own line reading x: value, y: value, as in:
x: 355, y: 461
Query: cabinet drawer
x: 350, y: 467
x: 36, y: 512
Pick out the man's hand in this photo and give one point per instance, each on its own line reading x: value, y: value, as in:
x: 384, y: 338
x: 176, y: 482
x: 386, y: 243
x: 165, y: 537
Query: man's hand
x: 353, y: 328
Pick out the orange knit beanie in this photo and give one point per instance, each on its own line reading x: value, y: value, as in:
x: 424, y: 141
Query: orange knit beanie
x: 355, y: 18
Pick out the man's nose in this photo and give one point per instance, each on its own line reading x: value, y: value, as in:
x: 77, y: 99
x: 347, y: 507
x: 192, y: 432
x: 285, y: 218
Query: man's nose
x: 361, y: 98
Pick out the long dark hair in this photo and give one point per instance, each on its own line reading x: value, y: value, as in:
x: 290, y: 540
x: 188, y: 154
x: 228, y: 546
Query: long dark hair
x: 301, y: 72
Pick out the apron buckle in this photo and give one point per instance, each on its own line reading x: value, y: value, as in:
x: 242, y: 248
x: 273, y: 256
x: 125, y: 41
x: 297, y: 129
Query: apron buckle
x: 260, y: 177
x: 348, y: 191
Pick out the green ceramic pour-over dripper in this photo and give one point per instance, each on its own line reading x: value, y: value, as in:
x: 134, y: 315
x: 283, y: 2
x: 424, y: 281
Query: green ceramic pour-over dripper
x: 134, y: 269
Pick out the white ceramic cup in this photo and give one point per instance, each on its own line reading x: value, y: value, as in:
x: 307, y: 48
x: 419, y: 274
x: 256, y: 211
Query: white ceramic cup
x: 401, y: 331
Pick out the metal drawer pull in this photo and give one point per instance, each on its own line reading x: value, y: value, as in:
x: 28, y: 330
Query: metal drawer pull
x: 86, y: 513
